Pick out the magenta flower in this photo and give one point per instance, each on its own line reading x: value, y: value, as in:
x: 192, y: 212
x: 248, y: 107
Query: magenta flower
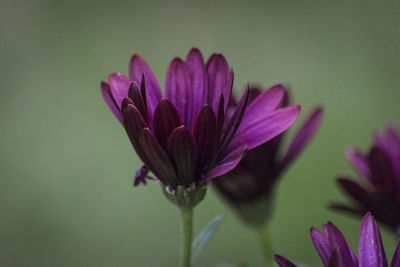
x: 186, y: 137
x: 379, y: 192
x: 249, y: 187
x: 335, y: 252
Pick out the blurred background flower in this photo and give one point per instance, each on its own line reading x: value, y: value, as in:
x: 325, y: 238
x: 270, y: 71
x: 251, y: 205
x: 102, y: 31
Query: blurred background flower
x: 379, y: 192
x: 249, y: 188
x: 66, y: 166
x: 334, y: 250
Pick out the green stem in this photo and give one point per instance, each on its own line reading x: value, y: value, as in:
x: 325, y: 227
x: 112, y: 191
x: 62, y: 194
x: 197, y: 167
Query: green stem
x: 265, y: 246
x: 187, y: 235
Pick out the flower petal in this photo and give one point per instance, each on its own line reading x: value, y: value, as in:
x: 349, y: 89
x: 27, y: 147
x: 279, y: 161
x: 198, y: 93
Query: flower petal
x: 354, y: 190
x: 220, y: 79
x: 228, y: 163
x: 119, y: 85
x: 254, y: 92
x: 137, y: 68
x: 160, y: 162
x: 204, y: 133
x: 234, y: 122
x: 264, y: 128
x: 182, y: 150
x: 396, y: 257
x: 370, y: 248
x: 283, y: 262
x: 133, y: 120
x: 389, y: 141
x: 382, y: 171
x: 321, y: 244
x: 178, y: 89
x: 220, y: 116
x: 394, y: 152
x: 346, y: 257
x: 134, y: 123
x: 263, y: 104
x: 302, y: 137
x: 166, y: 119
x: 358, y: 161
x: 346, y: 208
x: 219, y: 124
x: 335, y: 260
x: 199, y: 83
x: 135, y: 95
x: 109, y: 99
x: 287, y: 99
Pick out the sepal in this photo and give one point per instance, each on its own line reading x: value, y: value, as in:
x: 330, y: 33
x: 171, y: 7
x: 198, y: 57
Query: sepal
x: 186, y: 197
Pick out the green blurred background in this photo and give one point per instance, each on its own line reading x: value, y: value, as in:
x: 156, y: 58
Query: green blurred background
x: 67, y: 167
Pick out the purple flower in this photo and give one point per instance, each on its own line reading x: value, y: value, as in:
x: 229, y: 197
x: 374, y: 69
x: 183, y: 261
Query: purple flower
x: 186, y: 137
x: 335, y: 252
x: 379, y: 192
x: 249, y: 187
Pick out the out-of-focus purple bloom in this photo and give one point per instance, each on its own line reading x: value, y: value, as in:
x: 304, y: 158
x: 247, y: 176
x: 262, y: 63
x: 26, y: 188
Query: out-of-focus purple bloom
x: 185, y: 137
x: 379, y: 191
x: 249, y: 187
x: 335, y: 252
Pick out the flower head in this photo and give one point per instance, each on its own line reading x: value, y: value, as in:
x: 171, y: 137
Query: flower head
x: 335, y: 252
x: 249, y: 187
x: 185, y: 137
x: 379, y: 192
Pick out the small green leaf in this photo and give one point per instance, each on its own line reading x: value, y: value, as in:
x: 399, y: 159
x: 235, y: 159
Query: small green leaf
x: 204, y: 237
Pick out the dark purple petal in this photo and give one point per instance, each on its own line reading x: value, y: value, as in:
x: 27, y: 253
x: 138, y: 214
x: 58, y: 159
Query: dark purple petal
x: 262, y: 161
x: 160, y: 162
x: 263, y: 128
x: 126, y: 102
x: 136, y: 97
x: 143, y: 90
x: 381, y: 169
x: 134, y: 123
x: 133, y: 120
x: 286, y: 100
x: 390, y: 142
x: 182, y: 150
x: 178, y: 89
x: 199, y: 82
x: 396, y: 257
x: 254, y: 92
x: 109, y: 99
x: 228, y: 163
x: 394, y: 149
x: 358, y: 161
x: 220, y: 79
x: 354, y: 190
x: 166, y: 119
x: 220, y: 118
x: 119, y: 85
x: 204, y: 133
x: 321, y: 244
x: 335, y: 260
x: 346, y: 257
x: 263, y: 104
x: 283, y: 262
x: 234, y: 122
x: 346, y: 208
x: 370, y: 248
x: 302, y: 138
x: 137, y: 68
